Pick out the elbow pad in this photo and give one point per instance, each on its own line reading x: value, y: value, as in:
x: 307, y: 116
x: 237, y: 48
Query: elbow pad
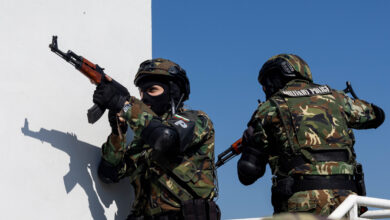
x: 251, y: 165
x: 162, y: 138
x: 107, y: 172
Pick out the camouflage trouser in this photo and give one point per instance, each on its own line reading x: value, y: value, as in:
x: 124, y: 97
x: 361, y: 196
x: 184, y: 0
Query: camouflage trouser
x: 319, y: 202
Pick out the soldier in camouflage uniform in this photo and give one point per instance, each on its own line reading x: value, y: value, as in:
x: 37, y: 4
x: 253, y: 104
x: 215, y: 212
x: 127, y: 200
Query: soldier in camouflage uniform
x: 304, y: 132
x: 170, y: 161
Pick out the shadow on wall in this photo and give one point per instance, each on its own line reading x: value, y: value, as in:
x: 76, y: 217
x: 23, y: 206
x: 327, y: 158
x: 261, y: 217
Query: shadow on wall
x: 84, y: 159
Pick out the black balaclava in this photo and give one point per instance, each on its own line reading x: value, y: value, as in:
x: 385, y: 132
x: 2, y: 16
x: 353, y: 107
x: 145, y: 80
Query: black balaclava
x: 162, y: 103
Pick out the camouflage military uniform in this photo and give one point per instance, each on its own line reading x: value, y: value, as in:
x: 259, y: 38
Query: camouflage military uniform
x: 163, y: 185
x: 305, y: 132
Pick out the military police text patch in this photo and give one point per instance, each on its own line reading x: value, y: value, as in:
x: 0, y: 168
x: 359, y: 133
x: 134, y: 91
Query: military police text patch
x: 319, y: 90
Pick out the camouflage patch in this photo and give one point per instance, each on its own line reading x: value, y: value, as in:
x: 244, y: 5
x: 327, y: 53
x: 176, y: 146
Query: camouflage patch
x: 319, y: 202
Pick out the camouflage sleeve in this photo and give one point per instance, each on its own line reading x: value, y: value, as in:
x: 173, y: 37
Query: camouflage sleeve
x: 269, y: 132
x: 259, y: 121
x: 358, y: 112
x: 138, y: 116
x: 204, y: 135
x: 113, y: 151
x: 112, y: 167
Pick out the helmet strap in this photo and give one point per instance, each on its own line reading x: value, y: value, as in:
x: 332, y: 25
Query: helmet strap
x: 173, y: 107
x: 180, y: 100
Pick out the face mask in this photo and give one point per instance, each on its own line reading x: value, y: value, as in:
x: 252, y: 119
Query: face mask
x: 159, y: 104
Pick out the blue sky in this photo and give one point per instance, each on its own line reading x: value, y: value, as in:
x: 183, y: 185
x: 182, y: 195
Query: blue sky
x: 223, y: 44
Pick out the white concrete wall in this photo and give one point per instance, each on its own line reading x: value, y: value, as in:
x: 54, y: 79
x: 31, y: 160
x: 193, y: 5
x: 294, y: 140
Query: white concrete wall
x: 49, y: 152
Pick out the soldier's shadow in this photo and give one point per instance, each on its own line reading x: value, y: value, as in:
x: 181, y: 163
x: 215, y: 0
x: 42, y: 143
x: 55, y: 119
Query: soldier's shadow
x: 84, y: 159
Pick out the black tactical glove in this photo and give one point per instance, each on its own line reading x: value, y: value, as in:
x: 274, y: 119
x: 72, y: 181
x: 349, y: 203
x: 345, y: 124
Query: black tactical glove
x: 251, y: 165
x: 379, y: 116
x: 113, y: 119
x: 108, y: 97
x: 247, y: 137
x: 378, y: 120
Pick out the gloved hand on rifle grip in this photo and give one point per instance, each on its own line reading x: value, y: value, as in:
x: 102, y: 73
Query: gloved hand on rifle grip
x: 108, y: 97
x: 247, y: 137
x: 251, y: 165
x: 113, y: 119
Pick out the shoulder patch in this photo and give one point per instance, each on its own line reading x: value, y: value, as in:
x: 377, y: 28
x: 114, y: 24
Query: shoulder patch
x: 318, y: 90
x: 181, y: 118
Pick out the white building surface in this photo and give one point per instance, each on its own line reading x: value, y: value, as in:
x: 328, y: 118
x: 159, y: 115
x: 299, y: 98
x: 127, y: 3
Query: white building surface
x: 49, y: 152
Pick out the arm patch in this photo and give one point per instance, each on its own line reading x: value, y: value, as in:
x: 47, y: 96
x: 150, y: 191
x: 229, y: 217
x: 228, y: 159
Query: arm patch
x: 185, y: 128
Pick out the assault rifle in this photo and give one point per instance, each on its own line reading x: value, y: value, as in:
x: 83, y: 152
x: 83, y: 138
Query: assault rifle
x: 93, y: 71
x: 236, y: 148
x: 349, y: 89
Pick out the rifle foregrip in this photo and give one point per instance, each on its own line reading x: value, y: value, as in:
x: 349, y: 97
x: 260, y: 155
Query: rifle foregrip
x: 95, y: 113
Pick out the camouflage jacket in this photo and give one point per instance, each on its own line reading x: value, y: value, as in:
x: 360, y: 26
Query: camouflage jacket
x: 162, y: 185
x: 304, y: 118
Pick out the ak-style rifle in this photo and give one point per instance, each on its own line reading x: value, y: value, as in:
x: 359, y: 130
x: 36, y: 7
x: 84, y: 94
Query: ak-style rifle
x: 93, y: 71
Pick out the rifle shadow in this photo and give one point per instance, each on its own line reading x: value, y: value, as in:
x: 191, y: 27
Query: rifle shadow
x: 84, y: 159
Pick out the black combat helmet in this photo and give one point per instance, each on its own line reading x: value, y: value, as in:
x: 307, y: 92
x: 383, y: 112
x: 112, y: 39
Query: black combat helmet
x: 165, y: 69
x: 280, y: 69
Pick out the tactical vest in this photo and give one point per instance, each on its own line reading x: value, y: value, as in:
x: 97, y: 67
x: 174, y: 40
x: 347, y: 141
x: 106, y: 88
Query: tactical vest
x: 192, y: 178
x: 316, y: 129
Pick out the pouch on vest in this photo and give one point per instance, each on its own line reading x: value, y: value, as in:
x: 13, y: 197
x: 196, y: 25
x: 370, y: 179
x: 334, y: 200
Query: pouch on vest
x: 200, y: 209
x: 359, y: 178
x: 282, y: 190
x: 192, y: 177
x: 283, y: 187
x: 178, y: 180
x: 186, y: 171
